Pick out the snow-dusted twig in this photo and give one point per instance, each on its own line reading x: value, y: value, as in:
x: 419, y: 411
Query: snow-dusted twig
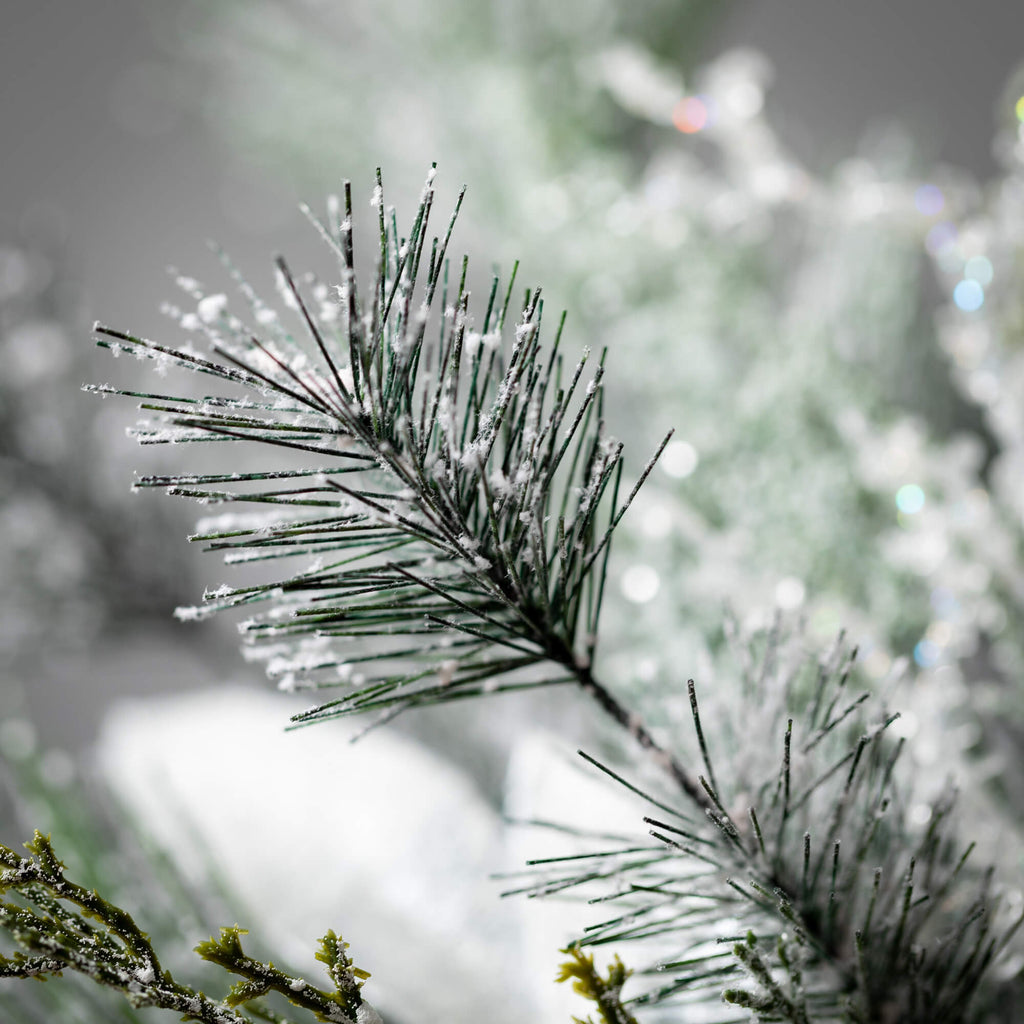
x: 461, y: 496
x: 63, y: 926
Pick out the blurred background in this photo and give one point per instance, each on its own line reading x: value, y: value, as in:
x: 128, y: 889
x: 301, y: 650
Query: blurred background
x: 798, y: 226
x: 134, y: 132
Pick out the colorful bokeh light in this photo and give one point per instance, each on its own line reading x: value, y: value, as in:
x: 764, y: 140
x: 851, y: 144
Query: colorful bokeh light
x: 926, y: 653
x: 929, y: 200
x: 910, y: 499
x: 941, y: 237
x: 979, y: 268
x: 968, y: 296
x: 691, y: 115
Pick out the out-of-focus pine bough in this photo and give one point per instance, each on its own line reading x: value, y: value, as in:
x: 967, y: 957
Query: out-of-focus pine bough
x: 470, y: 558
x: 819, y: 888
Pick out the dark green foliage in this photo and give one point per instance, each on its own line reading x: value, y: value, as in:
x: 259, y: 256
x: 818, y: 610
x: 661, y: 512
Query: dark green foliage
x: 463, y: 497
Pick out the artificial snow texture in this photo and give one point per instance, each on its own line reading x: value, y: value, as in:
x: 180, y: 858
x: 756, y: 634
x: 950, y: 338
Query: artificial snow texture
x: 383, y: 841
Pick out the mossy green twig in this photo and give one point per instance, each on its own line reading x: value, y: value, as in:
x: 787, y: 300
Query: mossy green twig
x: 61, y: 925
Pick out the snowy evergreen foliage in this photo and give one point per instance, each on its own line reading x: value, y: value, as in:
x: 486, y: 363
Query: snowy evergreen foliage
x: 818, y: 887
x: 441, y: 515
x: 56, y: 920
x: 108, y: 851
x: 473, y: 559
x: 837, y: 341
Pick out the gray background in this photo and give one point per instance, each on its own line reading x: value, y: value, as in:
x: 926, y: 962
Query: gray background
x: 97, y: 156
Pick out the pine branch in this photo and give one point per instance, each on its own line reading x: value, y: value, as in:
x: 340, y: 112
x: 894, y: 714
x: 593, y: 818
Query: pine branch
x: 451, y: 495
x: 464, y: 496
x: 61, y: 925
x: 848, y: 911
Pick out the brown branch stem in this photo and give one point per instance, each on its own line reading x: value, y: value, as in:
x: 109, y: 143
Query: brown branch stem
x: 634, y: 725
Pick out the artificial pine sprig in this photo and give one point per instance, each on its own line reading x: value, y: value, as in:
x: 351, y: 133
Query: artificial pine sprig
x: 587, y: 981
x: 459, y: 510
x: 113, y: 855
x: 770, y: 1000
x: 63, y: 926
x: 343, y: 1004
x: 456, y: 494
x: 846, y: 911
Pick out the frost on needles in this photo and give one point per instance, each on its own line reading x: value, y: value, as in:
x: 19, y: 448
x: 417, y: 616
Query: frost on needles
x: 460, y: 492
x: 447, y: 489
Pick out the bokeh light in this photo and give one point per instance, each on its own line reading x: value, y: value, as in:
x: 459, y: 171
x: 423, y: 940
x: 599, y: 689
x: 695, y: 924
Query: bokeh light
x: 640, y: 583
x: 940, y: 237
x: 929, y: 200
x: 679, y: 459
x: 743, y: 98
x: 926, y: 653
x: 940, y: 633
x: 691, y: 115
x: 910, y: 499
x: 969, y: 296
x: 979, y: 268
x: 790, y: 593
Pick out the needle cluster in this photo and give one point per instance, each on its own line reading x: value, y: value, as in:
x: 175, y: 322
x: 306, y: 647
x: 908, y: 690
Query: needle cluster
x: 817, y: 887
x: 458, y: 492
x: 439, y: 514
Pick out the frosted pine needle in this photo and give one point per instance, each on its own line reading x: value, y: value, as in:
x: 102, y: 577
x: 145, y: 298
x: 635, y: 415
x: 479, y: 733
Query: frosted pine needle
x: 807, y: 893
x: 460, y: 493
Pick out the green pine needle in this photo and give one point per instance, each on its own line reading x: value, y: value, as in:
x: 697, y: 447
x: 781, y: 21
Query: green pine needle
x: 849, y: 912
x: 457, y: 491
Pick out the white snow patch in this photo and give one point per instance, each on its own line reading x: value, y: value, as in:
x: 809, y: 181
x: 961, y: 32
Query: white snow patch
x: 192, y: 613
x: 409, y: 894
x: 145, y: 975
x: 211, y: 307
x: 366, y: 1014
